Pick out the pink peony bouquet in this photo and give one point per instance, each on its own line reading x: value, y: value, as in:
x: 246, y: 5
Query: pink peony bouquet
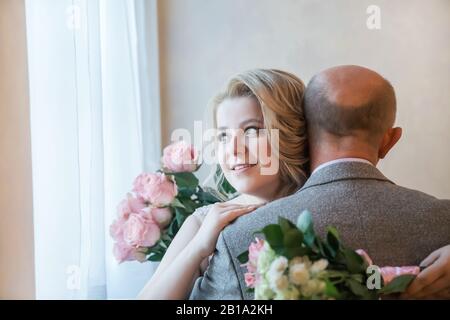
x: 150, y: 216
x: 293, y: 263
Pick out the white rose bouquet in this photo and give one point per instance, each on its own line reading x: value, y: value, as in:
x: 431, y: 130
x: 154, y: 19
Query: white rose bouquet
x: 293, y: 263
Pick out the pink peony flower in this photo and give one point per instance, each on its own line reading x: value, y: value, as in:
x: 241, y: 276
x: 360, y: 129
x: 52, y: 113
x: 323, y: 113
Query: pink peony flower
x: 180, y: 157
x: 365, y: 256
x: 254, y: 250
x: 162, y: 216
x: 140, y: 256
x: 123, y: 252
x: 389, y: 273
x: 116, y: 229
x: 250, y: 279
x: 156, y: 188
x: 130, y: 205
x: 139, y: 231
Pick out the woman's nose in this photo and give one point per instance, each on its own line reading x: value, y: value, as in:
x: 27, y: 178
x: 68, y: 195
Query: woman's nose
x: 237, y: 143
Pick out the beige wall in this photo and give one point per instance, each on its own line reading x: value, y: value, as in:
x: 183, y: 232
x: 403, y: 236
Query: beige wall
x: 204, y: 42
x: 16, y: 228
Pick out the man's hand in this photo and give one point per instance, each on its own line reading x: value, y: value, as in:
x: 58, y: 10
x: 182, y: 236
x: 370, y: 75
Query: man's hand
x: 434, y: 281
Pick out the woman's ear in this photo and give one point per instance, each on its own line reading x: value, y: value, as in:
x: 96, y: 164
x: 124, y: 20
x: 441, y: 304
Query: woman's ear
x: 390, y: 138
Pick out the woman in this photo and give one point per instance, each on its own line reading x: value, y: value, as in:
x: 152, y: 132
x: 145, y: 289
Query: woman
x: 252, y: 101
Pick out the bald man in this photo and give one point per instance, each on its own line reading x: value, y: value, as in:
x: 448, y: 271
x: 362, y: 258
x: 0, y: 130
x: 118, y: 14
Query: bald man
x: 350, y: 114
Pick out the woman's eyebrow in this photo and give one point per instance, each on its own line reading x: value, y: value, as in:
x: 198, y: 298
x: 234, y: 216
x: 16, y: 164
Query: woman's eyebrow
x: 243, y: 123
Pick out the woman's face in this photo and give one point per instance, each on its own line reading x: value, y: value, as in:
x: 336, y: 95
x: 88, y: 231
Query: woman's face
x: 239, y: 121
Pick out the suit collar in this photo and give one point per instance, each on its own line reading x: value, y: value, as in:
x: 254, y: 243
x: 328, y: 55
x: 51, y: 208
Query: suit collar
x: 344, y: 171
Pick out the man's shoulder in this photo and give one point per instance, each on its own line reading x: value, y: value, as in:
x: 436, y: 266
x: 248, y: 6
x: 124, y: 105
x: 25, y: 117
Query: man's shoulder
x: 383, y: 194
x: 393, y: 193
x: 419, y: 195
x: 246, y: 225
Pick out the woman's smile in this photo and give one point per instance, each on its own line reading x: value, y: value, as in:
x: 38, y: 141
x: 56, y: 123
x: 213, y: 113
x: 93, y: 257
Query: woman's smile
x: 241, y: 168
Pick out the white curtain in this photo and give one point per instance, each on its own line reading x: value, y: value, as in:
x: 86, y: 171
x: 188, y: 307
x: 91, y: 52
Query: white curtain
x: 95, y: 124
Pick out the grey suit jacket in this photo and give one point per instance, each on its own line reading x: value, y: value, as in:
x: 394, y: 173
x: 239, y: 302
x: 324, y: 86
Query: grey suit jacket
x: 395, y: 225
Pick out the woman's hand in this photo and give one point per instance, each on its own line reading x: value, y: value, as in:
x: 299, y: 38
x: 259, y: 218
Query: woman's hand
x: 218, y: 217
x: 434, y: 281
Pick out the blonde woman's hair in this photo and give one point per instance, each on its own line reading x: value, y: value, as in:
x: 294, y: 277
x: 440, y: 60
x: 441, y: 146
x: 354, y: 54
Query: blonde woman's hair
x: 280, y: 96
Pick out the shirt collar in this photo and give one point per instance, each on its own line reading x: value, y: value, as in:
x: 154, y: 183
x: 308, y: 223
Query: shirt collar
x: 326, y: 164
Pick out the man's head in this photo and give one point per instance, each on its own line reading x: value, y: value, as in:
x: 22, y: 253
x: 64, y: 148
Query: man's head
x: 350, y: 112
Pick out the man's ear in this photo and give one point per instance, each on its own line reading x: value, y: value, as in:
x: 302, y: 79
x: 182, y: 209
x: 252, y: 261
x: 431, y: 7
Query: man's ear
x: 390, y: 138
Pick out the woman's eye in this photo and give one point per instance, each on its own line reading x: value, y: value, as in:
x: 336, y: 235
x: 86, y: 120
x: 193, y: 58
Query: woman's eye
x: 222, y: 137
x: 251, y: 131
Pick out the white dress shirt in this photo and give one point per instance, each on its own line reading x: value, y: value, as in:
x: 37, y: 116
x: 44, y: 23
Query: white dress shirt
x: 326, y: 164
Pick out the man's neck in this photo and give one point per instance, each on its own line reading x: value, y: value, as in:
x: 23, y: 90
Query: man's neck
x: 323, y: 155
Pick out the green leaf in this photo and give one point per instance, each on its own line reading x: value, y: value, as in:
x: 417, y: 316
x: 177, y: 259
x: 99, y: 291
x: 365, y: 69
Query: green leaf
x: 155, y: 257
x: 185, y: 179
x: 333, y: 237
x: 226, y: 187
x: 354, y: 262
x: 305, y: 224
x: 340, y: 258
x: 331, y: 290
x: 182, y: 211
x: 328, y: 251
x: 180, y: 216
x: 333, y: 243
x: 173, y: 228
x: 177, y: 203
x: 292, y: 240
x: 337, y: 274
x: 285, y: 224
x: 188, y: 204
x: 304, y: 221
x: 243, y: 257
x: 319, y: 246
x: 274, y: 236
x: 210, y: 196
x: 358, y: 289
x: 358, y: 277
x: 223, y: 185
x: 398, y: 284
x: 163, y: 245
x: 185, y: 192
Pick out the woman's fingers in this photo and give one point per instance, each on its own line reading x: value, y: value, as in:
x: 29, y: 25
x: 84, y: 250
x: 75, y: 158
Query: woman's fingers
x: 431, y: 258
x: 443, y: 294
x: 235, y: 213
x: 227, y: 207
x: 223, y: 207
x: 425, y: 278
x: 437, y: 286
x: 229, y: 212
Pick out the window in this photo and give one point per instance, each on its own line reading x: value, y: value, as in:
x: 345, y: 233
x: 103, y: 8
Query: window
x: 95, y: 125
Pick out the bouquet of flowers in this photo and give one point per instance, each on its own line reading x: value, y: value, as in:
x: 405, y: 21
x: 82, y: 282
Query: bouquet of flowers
x: 294, y: 263
x: 151, y: 215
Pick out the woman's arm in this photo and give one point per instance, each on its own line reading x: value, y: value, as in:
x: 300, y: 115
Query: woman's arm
x: 179, y: 243
x: 193, y: 243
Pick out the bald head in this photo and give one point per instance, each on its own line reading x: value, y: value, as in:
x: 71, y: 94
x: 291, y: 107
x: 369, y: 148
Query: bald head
x: 350, y: 101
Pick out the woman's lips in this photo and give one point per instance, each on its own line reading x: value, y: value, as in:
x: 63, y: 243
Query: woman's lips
x: 242, y: 168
